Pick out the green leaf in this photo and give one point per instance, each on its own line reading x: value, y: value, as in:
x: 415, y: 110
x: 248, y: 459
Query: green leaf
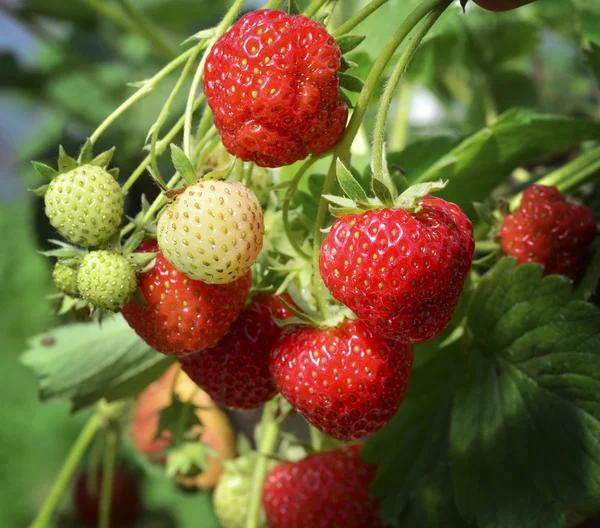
x: 486, y: 159
x: 293, y: 8
x: 348, y: 42
x: 103, y: 160
x: 382, y: 192
x: 351, y: 188
x: 87, y: 153
x: 84, y: 362
x: 44, y: 170
x: 350, y: 82
x: 590, y: 280
x: 183, y: 165
x: 528, y: 408
x: 592, y: 56
x: 415, y: 193
x: 65, y: 162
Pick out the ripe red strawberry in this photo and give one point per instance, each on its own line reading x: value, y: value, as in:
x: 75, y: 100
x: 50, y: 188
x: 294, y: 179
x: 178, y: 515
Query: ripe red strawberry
x: 327, y: 489
x: 271, y: 84
x: 183, y: 315
x: 502, y: 5
x: 347, y: 381
x: 126, y: 503
x: 401, y: 272
x: 236, y: 371
x: 549, y: 230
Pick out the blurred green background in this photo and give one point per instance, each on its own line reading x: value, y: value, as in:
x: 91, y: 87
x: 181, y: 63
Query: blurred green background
x: 64, y: 65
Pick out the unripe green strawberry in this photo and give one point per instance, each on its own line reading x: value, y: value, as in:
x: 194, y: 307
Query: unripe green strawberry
x: 212, y: 231
x: 84, y: 205
x: 106, y: 280
x: 65, y: 279
x: 232, y: 495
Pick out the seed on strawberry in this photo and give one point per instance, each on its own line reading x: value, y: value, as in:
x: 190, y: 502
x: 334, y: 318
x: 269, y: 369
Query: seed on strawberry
x: 85, y: 205
x: 65, y: 279
x: 325, y: 489
x: 183, y: 315
x: 271, y: 82
x: 347, y: 381
x: 212, y: 231
x: 236, y: 371
x: 401, y: 272
x: 549, y: 230
x: 106, y: 280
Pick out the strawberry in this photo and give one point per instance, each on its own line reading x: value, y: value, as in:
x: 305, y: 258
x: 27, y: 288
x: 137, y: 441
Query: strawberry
x: 125, y: 504
x: 84, y: 205
x: 65, y: 279
x: 212, y: 231
x: 236, y: 371
x: 347, y: 381
x: 400, y: 271
x: 272, y: 86
x: 549, y: 230
x: 183, y: 315
x: 327, y: 489
x: 502, y: 5
x: 106, y: 280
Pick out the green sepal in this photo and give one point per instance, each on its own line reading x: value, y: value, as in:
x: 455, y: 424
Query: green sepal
x: 320, y: 18
x: 65, y: 162
x: 485, y: 213
x: 299, y: 317
x: 178, y: 418
x: 188, y: 459
x: 64, y: 250
x: 346, y: 99
x: 352, y: 189
x: 204, y: 34
x: 350, y: 83
x: 132, y: 243
x: 347, y: 65
x: 414, y: 194
x: 70, y: 303
x: 341, y: 201
x: 339, y: 212
x: 113, y: 243
x: 382, y: 185
x: 143, y: 262
x: 293, y: 8
x: 243, y: 445
x: 40, y: 191
x: 114, y: 172
x: 382, y: 192
x: 86, y: 154
x: 138, y: 298
x: 183, y: 165
x: 44, y: 170
x: 349, y: 42
x: 104, y: 159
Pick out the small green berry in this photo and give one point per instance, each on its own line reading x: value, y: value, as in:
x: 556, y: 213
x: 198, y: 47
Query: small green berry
x: 106, y: 280
x: 65, y: 279
x: 85, y: 205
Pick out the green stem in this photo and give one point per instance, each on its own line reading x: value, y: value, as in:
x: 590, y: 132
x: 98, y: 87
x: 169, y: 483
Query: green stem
x: 314, y: 7
x: 319, y: 223
x: 201, y: 143
x: 486, y: 246
x: 144, y: 90
x: 205, y: 123
x: 388, y: 94
x: 211, y: 146
x: 269, y: 432
x: 570, y: 175
x: 189, y: 110
x: 489, y: 104
x: 110, y: 13
x: 363, y: 14
x: 108, y: 477
x: 164, y: 113
x: 343, y: 147
x: 67, y: 471
x: 274, y: 4
x: 285, y: 206
x: 400, y: 129
x: 160, y: 147
x: 146, y: 28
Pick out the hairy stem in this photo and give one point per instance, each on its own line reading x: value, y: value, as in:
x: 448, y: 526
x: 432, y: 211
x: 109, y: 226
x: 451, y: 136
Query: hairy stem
x: 399, y: 135
x: 189, y: 110
x: 108, y: 477
x: 67, y: 471
x: 269, y: 432
x: 388, y: 94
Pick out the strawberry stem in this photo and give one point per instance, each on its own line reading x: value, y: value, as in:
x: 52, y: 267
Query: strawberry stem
x: 364, y: 13
x: 314, y: 7
x: 108, y: 476
x: 269, y: 432
x: 67, y: 471
x: 388, y: 94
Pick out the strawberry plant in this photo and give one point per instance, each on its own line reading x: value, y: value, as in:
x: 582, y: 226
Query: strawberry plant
x: 424, y: 303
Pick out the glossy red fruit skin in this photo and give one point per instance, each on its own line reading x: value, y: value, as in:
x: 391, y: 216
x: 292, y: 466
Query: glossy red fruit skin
x: 272, y: 86
x: 236, y: 371
x: 549, y: 230
x: 183, y: 315
x: 502, y: 5
x: 347, y: 381
x: 126, y: 503
x: 402, y: 273
x: 324, y: 490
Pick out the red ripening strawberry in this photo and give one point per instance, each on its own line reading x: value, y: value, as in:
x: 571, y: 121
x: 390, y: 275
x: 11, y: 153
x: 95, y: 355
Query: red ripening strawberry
x: 125, y: 504
x: 183, y: 315
x: 272, y: 86
x: 502, y: 5
x: 347, y: 381
x: 236, y: 372
x: 324, y: 490
x: 401, y: 272
x: 549, y: 230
